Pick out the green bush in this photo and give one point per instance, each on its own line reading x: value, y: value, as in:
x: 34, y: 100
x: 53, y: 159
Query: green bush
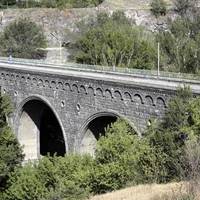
x: 6, y: 3
x: 180, y: 126
x: 23, y: 39
x: 25, y: 184
x: 158, y: 7
x: 112, y: 41
x: 184, y: 7
x: 180, y: 44
x: 122, y: 157
x: 11, y: 154
x: 49, y: 3
x: 63, y: 178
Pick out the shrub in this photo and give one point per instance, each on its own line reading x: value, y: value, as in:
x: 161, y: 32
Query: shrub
x: 25, y: 184
x: 122, y: 157
x: 182, y: 7
x: 24, y: 39
x: 112, y: 41
x: 11, y: 154
x: 51, y: 178
x: 158, y: 7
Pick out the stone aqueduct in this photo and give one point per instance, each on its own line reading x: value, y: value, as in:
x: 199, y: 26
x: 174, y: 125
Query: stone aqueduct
x: 61, y: 110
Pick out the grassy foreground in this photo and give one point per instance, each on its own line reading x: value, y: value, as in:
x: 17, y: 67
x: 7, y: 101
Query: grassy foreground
x: 145, y: 192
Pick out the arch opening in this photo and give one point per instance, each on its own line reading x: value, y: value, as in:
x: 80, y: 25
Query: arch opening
x: 39, y: 131
x: 94, y: 130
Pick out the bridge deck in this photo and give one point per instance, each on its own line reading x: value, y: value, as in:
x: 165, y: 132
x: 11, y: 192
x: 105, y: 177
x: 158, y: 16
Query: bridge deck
x: 164, y: 80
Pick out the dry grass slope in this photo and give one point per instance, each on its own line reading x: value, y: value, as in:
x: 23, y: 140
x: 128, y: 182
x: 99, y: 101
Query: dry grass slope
x: 144, y: 192
x: 130, y: 4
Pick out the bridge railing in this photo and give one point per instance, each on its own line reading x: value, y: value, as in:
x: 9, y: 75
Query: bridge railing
x: 98, y: 68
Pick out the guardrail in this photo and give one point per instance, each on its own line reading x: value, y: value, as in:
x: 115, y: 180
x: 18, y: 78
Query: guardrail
x: 98, y: 68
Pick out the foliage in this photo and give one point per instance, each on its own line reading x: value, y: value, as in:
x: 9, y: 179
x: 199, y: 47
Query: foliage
x: 158, y: 7
x: 112, y: 41
x: 23, y: 39
x: 6, y: 3
x: 181, y: 44
x: 176, y: 114
x: 50, y: 3
x: 25, y: 184
x: 10, y: 151
x: 123, y: 157
x: 184, y: 7
x: 51, y: 178
x: 180, y: 125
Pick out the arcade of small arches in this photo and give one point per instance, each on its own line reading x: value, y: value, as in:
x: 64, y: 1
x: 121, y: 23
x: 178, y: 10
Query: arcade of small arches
x: 71, y: 86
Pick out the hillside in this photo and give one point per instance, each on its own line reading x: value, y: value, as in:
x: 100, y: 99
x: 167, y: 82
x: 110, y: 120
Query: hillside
x: 144, y: 192
x: 129, y: 4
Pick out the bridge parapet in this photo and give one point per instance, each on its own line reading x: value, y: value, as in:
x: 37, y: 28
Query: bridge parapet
x: 103, y: 69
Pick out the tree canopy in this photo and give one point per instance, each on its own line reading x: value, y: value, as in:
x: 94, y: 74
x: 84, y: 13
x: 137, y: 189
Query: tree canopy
x: 113, y: 41
x: 23, y: 39
x: 10, y: 151
x: 181, y: 43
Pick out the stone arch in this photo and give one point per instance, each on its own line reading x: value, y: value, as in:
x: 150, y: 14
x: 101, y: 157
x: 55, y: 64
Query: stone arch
x: 28, y: 80
x: 83, y: 89
x: 40, y: 83
x: 127, y: 96
x: 94, y: 127
x: 53, y: 84
x: 46, y: 83
x: 90, y: 90
x: 160, y: 102
x: 67, y: 87
x: 36, y: 121
x: 75, y: 88
x: 108, y: 94
x: 2, y: 75
x: 99, y: 92
x: 60, y: 85
x: 118, y: 95
x: 23, y: 79
x: 138, y: 99
x: 34, y: 81
x: 149, y: 100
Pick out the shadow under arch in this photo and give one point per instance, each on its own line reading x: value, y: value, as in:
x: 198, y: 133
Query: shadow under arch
x: 95, y: 126
x: 39, y: 128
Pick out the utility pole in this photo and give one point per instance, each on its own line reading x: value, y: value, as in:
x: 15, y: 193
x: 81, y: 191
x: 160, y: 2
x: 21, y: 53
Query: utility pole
x: 158, y: 72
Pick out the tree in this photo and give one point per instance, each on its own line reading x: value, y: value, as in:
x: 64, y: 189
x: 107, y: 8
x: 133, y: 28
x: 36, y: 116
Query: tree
x: 158, y: 7
x: 181, y: 44
x: 51, y: 178
x: 11, y: 154
x: 123, y: 157
x: 112, y: 41
x: 184, y: 7
x: 23, y: 39
x: 6, y: 3
x: 169, y: 137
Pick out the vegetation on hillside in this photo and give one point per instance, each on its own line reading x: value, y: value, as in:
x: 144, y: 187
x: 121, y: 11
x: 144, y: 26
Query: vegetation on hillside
x: 23, y: 39
x: 181, y: 44
x: 158, y: 7
x: 49, y: 3
x: 11, y: 154
x: 114, y: 41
